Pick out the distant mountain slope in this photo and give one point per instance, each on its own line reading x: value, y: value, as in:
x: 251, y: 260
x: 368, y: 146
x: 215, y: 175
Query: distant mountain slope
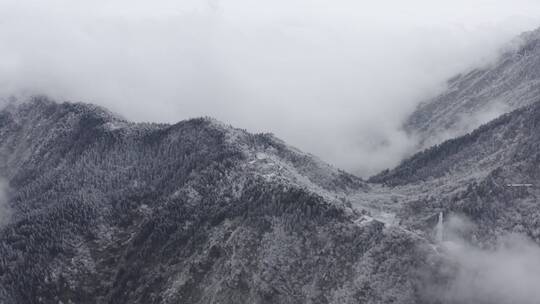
x: 480, y: 95
x: 108, y: 211
x: 476, y: 175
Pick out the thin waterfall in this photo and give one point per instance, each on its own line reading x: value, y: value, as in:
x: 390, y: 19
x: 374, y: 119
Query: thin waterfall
x: 439, y: 229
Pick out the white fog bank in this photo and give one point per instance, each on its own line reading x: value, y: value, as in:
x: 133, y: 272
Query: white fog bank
x: 334, y: 78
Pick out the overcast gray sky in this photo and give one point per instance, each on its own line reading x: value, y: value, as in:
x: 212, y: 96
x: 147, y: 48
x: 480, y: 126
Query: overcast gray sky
x: 332, y: 77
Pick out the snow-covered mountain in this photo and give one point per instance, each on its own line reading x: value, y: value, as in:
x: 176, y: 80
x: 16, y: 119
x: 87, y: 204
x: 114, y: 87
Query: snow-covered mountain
x: 103, y: 210
x: 491, y: 175
x: 108, y: 211
x: 480, y: 95
x: 98, y: 209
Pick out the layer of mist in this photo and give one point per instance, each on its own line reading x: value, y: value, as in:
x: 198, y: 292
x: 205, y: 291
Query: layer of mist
x: 334, y: 78
x: 507, y: 271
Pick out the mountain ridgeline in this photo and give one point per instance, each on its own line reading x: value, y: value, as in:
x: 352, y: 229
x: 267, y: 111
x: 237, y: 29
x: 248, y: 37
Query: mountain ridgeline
x: 108, y: 211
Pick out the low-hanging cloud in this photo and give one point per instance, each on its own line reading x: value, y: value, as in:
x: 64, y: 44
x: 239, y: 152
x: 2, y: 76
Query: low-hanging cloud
x: 335, y: 78
x: 507, y: 272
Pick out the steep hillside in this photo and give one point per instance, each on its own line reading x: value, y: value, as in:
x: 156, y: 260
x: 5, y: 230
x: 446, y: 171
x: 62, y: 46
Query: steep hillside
x: 103, y: 210
x: 492, y: 175
x: 480, y: 95
x: 109, y: 211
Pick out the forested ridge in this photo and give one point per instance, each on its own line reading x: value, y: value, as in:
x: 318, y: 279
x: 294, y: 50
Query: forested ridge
x: 108, y: 211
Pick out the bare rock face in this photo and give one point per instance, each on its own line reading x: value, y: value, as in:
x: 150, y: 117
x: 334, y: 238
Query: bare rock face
x: 480, y: 95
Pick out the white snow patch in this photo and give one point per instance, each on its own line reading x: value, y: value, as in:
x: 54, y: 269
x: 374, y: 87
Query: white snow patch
x: 261, y: 156
x: 114, y: 125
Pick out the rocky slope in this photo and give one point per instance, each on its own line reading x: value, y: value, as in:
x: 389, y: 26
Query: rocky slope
x: 480, y: 95
x: 108, y: 211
